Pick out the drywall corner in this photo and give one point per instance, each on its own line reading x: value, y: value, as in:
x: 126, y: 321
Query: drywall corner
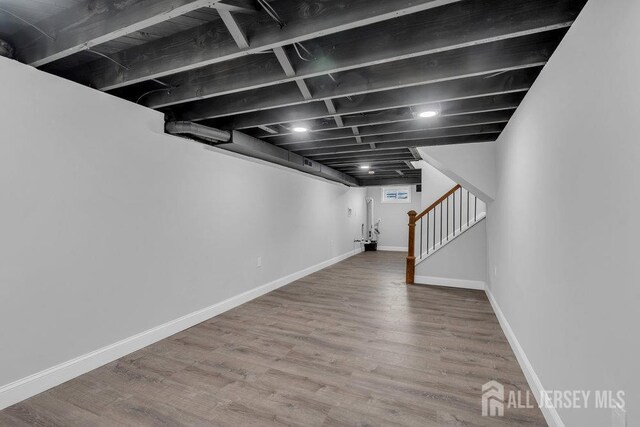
x: 470, y: 165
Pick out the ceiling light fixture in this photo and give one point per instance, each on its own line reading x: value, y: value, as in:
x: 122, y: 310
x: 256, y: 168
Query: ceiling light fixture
x: 300, y: 129
x: 365, y: 167
x: 428, y: 113
x: 372, y: 172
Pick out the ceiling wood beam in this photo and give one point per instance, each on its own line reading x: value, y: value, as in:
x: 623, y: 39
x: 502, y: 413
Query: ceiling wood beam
x: 88, y: 24
x: 347, y: 144
x: 478, y: 61
x: 332, y: 110
x: 199, y: 47
x: 446, y: 122
x: 284, y: 61
x: 366, y: 177
x: 391, y: 148
x: 234, y: 29
x: 343, y: 164
x: 390, y: 168
x: 289, y: 71
x: 268, y: 129
x: 510, y: 82
x: 304, y: 89
x: 501, y: 103
x: 372, y: 181
x: 393, y: 145
x: 356, y: 171
x: 383, y: 174
x: 436, y: 31
x: 356, y: 132
x: 237, y: 6
x: 414, y: 153
x: 372, y: 155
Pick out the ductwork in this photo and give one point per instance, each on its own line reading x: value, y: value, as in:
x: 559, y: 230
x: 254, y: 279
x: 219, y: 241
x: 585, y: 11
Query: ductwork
x: 241, y: 143
x: 6, y: 49
x: 254, y: 147
x: 200, y: 131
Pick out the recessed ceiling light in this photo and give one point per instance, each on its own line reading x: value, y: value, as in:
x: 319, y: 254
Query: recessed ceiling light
x: 428, y: 113
x: 300, y: 129
x: 365, y: 167
x: 372, y: 172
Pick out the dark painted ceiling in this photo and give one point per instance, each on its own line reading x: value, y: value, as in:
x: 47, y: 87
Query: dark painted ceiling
x: 356, y: 74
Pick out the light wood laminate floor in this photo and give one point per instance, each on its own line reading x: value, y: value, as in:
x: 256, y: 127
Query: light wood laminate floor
x: 348, y: 345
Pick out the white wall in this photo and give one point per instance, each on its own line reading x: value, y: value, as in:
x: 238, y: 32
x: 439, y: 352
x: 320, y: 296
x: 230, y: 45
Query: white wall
x: 461, y: 262
x: 471, y: 165
x: 434, y: 184
x: 109, y: 227
x: 563, y: 231
x: 393, y: 227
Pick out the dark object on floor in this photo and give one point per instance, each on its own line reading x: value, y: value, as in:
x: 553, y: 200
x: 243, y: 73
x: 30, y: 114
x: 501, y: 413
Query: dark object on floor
x: 373, y: 246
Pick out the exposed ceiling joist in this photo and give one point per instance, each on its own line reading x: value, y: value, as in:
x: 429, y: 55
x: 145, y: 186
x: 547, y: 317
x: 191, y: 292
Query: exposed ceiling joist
x: 289, y: 71
x: 371, y: 155
x: 389, y: 181
x: 390, y: 167
x: 234, y: 29
x: 237, y: 6
x: 304, y: 90
x: 500, y: 103
x: 362, y: 82
x: 378, y: 174
x: 92, y: 23
x: 446, y: 122
x: 479, y: 136
x: 284, y: 61
x: 268, y: 129
x: 356, y: 161
x: 356, y: 133
x: 478, y: 61
x: 510, y: 82
x: 332, y: 110
x: 416, y: 35
x: 411, y: 138
x: 201, y: 46
x: 414, y: 152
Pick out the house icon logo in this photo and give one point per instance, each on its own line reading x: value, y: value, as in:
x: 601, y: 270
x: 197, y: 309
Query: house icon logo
x: 492, y: 399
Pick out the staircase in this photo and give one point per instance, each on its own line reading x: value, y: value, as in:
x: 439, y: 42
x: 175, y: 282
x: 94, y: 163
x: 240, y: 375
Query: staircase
x: 444, y: 220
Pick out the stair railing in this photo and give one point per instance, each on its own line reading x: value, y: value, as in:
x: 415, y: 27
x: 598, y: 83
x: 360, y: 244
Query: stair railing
x: 432, y: 235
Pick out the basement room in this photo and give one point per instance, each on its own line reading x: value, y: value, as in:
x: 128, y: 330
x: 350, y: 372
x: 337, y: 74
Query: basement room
x: 319, y: 213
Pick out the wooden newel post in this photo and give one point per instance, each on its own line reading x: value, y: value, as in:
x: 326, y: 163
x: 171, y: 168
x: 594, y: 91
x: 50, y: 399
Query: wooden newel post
x: 411, y: 258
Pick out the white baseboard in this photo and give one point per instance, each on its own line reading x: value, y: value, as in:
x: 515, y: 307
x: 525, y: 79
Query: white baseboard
x: 37, y: 383
x: 550, y: 414
x: 452, y: 283
x: 393, y: 248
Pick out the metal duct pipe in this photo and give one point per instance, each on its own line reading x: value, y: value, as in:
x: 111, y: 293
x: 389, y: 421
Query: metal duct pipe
x: 241, y: 143
x: 200, y: 131
x: 254, y: 147
x: 6, y: 49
